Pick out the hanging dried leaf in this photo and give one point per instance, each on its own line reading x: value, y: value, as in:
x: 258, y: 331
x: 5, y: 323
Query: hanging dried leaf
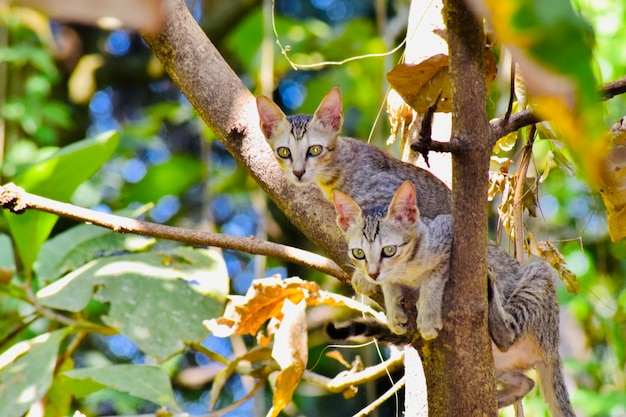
x: 338, y: 356
x: 264, y: 301
x: 420, y: 84
x: 291, y: 353
x: 505, y: 143
x: 548, y: 252
x: 613, y: 188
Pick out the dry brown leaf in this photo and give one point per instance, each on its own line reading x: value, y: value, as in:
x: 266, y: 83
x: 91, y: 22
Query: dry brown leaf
x: 548, y: 252
x: 613, y: 188
x: 420, y: 84
x: 263, y: 301
x: 338, y: 356
x: 291, y: 353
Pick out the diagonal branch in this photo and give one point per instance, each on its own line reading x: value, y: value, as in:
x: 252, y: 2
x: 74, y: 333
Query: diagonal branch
x: 16, y: 200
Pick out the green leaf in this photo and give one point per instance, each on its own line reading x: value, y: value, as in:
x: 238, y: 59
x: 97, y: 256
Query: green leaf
x: 553, y: 45
x: 146, y: 382
x: 158, y: 300
x: 26, y: 371
x: 169, y: 178
x: 56, y: 178
x: 76, y: 246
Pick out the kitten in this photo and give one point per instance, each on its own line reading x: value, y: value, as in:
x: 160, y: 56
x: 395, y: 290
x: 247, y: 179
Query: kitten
x: 310, y: 150
x: 392, y: 247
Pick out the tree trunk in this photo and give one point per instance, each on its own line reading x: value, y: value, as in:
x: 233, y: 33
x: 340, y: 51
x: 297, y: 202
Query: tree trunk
x: 459, y: 364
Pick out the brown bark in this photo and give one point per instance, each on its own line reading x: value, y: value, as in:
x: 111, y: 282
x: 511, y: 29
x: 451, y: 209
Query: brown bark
x: 458, y: 364
x: 229, y: 109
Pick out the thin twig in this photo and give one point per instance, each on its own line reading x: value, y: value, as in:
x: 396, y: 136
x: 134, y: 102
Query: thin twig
x: 17, y: 200
x: 503, y: 126
x: 391, y: 391
x: 347, y: 378
x: 222, y: 411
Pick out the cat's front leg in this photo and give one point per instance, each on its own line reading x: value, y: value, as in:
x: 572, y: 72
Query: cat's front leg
x: 430, y: 303
x: 397, y: 318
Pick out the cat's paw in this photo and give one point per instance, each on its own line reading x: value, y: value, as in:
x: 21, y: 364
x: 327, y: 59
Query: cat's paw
x: 429, y: 325
x: 397, y: 320
x: 363, y: 285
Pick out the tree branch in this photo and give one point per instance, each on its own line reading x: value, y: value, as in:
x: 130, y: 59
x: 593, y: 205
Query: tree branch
x: 17, y: 200
x: 503, y: 126
x: 229, y: 109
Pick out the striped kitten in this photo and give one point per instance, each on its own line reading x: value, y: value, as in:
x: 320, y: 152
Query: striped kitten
x: 310, y: 151
x: 391, y: 247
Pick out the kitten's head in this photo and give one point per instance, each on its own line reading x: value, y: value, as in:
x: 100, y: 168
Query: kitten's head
x: 381, y: 240
x: 302, y: 144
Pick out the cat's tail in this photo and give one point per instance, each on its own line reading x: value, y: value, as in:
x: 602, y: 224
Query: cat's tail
x: 365, y: 326
x: 553, y: 387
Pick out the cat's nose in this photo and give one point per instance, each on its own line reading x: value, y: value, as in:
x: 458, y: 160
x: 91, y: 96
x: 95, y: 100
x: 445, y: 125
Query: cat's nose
x: 374, y: 275
x: 298, y: 174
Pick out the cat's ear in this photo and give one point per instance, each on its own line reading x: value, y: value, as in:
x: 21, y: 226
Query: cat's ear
x: 403, y: 206
x: 348, y: 211
x: 329, y: 115
x: 272, y: 119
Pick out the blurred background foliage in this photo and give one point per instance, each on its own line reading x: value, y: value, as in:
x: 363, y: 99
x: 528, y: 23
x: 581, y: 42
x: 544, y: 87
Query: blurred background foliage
x: 62, y: 82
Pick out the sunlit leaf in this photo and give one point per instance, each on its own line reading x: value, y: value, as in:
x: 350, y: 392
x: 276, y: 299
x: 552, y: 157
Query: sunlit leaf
x: 551, y: 254
x: 142, y: 381
x: 420, y: 84
x: 26, y: 371
x: 291, y: 353
x: 264, y: 300
x: 613, y: 188
x: 552, y: 46
x: 158, y: 300
x: 56, y: 178
x: 80, y: 244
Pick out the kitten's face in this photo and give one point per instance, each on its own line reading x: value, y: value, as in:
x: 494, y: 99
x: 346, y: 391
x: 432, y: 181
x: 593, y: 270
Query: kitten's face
x: 381, y: 242
x: 302, y: 144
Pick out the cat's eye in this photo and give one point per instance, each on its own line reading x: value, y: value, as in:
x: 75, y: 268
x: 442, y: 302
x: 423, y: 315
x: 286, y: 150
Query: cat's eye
x: 283, y: 152
x: 389, y: 251
x: 315, y: 150
x: 358, y: 253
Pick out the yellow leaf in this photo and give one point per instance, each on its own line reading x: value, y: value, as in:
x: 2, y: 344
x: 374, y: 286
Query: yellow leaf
x: 420, y: 84
x: 291, y: 353
x: 613, y: 188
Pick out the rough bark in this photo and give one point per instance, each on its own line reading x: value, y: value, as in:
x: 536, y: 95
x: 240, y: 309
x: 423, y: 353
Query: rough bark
x: 458, y: 364
x: 229, y: 109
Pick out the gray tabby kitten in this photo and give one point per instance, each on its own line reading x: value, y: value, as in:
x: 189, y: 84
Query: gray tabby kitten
x: 392, y: 246
x: 310, y: 151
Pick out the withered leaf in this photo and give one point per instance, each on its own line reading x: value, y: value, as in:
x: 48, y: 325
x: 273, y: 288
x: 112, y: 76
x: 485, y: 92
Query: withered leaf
x: 264, y: 300
x: 291, y: 353
x: 420, y: 84
x: 613, y: 188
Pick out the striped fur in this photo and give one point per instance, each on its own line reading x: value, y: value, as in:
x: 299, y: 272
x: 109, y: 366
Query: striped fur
x: 360, y: 170
x: 523, y: 325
